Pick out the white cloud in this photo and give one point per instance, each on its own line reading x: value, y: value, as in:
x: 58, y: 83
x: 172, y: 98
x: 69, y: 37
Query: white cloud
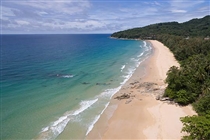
x: 204, y: 9
x: 156, y: 3
x: 41, y: 13
x: 184, y: 4
x: 87, y: 25
x: 153, y: 3
x: 124, y: 9
x: 69, y: 7
x: 6, y: 11
x: 22, y: 22
x: 178, y: 11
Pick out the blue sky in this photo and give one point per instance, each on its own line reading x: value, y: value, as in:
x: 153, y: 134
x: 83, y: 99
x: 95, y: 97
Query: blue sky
x: 94, y: 16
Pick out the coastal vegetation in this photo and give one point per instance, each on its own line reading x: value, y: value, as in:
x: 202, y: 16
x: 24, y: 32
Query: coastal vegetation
x: 189, y: 83
x: 192, y: 28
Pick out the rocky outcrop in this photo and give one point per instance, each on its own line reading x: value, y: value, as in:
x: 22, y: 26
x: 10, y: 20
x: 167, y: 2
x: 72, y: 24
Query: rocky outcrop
x: 145, y: 88
x: 124, y: 96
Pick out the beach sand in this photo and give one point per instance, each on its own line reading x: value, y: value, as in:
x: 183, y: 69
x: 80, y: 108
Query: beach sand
x: 142, y: 116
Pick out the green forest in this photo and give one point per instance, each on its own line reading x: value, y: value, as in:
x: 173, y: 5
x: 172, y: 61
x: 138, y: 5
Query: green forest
x: 189, y: 84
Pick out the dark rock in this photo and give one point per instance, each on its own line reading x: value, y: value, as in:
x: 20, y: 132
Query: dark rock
x: 158, y: 98
x: 104, y: 84
x: 156, y: 89
x: 124, y: 96
x: 85, y: 83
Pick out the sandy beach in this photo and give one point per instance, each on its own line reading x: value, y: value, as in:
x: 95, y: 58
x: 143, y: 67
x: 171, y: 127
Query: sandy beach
x: 141, y: 116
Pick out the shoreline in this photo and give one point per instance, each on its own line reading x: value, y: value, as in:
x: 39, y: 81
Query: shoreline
x: 125, y: 38
x: 141, y: 116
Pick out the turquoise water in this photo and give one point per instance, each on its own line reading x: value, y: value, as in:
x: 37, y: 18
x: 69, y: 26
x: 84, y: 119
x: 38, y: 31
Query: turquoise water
x: 57, y: 86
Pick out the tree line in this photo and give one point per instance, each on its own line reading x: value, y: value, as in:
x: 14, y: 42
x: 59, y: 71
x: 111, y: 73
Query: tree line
x: 189, y: 84
x: 192, y: 28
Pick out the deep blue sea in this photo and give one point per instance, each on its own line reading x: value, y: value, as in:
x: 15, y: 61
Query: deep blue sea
x: 57, y: 86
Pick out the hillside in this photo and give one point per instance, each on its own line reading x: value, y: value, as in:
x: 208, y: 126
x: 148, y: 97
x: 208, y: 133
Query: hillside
x: 192, y: 28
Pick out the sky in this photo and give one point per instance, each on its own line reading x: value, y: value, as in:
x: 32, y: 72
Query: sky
x: 94, y: 16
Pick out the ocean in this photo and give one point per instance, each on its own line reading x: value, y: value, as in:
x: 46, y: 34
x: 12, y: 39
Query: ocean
x: 57, y: 86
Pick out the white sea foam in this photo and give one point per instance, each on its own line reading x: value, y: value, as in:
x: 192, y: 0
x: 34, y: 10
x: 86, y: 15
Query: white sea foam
x: 137, y: 62
x: 68, y: 76
x: 45, y: 129
x: 58, y: 128
x: 84, y: 106
x: 133, y: 59
x: 104, y: 108
x: 123, y: 66
x: 59, y: 125
x: 145, y: 43
x: 60, y: 120
x: 147, y: 46
x: 92, y: 124
x: 129, y: 74
x: 140, y: 54
x: 108, y: 93
x: 96, y: 119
